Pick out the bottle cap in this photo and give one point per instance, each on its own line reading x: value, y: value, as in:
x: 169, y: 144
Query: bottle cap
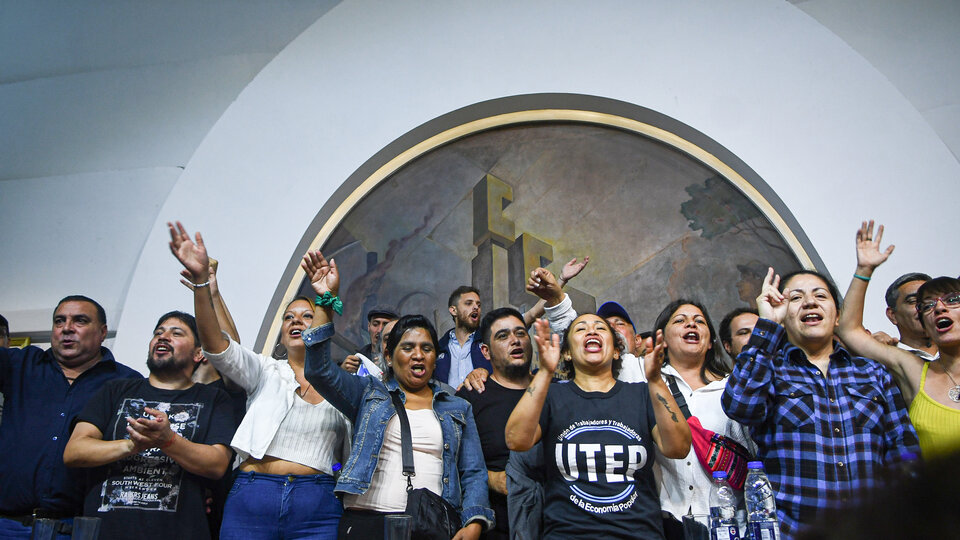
x: 755, y: 465
x: 719, y: 474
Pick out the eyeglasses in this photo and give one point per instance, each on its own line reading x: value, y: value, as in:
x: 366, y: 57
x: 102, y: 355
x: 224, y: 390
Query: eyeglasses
x: 950, y: 300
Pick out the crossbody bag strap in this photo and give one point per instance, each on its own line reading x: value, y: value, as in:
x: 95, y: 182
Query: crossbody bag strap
x: 406, y: 440
x: 678, y: 396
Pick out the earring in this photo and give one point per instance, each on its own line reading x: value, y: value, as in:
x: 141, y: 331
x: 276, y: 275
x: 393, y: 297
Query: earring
x: 279, y: 351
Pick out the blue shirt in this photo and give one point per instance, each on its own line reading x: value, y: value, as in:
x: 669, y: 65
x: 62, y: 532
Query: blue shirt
x: 445, y: 368
x: 39, y: 405
x: 822, y: 439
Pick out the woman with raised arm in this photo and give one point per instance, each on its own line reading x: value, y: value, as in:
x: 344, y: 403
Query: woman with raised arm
x: 291, y: 440
x: 827, y: 424
x: 598, y: 434
x: 929, y: 388
x: 693, y: 366
x: 446, y: 447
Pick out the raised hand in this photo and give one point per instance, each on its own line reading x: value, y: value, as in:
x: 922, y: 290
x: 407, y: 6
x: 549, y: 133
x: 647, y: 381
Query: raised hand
x: 323, y: 275
x: 572, y: 269
x: 869, y: 255
x: 543, y: 284
x: 771, y: 304
x: 548, y: 346
x: 192, y: 255
x: 653, y: 360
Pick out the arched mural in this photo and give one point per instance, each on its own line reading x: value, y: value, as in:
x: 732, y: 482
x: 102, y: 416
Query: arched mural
x: 488, y: 206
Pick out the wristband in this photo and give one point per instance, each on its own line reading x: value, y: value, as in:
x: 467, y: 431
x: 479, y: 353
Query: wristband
x: 331, y: 301
x: 168, y: 443
x: 864, y: 278
x: 199, y: 285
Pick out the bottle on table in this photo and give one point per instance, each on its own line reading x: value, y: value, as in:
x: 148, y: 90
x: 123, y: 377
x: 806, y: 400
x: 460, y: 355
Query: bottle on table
x: 762, y: 522
x: 723, y: 509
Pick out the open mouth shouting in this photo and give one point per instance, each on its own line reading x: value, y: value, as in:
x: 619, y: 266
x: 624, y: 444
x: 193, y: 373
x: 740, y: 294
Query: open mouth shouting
x: 943, y: 324
x: 811, y: 319
x: 418, y: 370
x: 592, y: 344
x: 692, y: 337
x: 161, y: 349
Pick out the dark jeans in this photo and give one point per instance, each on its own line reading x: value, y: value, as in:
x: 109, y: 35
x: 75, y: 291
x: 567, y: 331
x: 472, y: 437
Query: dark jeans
x: 14, y: 529
x: 273, y: 507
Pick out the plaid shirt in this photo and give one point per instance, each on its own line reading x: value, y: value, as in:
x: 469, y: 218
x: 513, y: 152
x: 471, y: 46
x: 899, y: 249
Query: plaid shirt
x: 822, y: 440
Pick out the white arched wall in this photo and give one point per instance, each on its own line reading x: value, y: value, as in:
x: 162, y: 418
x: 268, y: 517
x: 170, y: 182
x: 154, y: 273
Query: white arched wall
x: 825, y: 130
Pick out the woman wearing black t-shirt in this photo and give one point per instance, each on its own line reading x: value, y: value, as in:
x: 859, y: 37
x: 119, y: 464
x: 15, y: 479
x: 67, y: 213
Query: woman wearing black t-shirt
x: 598, y: 434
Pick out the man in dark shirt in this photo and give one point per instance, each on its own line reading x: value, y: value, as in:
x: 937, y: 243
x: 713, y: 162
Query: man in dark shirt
x: 506, y: 344
x: 150, y: 444
x: 43, y: 391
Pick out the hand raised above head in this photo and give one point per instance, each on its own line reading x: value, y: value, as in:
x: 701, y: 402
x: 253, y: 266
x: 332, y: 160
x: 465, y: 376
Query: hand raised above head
x: 191, y: 254
x: 771, y: 304
x: 573, y: 268
x: 869, y: 255
x: 543, y: 284
x: 323, y: 274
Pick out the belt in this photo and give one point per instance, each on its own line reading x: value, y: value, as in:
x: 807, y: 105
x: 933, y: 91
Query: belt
x: 27, y: 520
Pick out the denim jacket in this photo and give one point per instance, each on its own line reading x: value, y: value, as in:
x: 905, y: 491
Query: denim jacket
x: 366, y: 402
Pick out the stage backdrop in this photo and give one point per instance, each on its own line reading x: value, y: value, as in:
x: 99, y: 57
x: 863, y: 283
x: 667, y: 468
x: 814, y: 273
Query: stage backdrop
x: 662, y: 211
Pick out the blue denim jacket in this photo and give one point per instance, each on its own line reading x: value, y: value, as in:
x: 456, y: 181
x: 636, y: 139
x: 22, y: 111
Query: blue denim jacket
x: 366, y: 402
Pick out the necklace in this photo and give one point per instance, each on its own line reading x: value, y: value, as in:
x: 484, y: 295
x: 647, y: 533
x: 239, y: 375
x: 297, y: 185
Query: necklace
x: 953, y: 393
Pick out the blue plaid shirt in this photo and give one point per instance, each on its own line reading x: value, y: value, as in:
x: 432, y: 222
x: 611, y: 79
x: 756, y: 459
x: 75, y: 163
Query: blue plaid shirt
x: 822, y: 439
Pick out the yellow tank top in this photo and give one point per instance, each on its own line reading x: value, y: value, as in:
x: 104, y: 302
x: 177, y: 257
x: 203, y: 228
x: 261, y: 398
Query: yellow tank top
x: 938, y: 426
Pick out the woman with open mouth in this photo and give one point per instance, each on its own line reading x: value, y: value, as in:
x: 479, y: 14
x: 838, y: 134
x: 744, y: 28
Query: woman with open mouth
x: 291, y: 440
x: 694, y: 366
x: 446, y: 447
x: 599, y: 433
x: 929, y: 388
x: 828, y: 424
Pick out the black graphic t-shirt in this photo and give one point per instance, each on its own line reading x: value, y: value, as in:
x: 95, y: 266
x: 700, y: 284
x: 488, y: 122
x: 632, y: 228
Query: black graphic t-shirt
x: 598, y: 459
x: 149, y: 495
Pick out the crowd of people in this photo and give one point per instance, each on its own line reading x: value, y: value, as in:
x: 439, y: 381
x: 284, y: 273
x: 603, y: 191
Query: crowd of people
x: 596, y: 438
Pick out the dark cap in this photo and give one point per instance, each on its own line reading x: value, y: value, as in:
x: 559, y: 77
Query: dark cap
x: 383, y: 310
x: 613, y: 309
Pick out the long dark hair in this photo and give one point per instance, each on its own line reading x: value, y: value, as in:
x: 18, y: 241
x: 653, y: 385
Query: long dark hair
x: 408, y: 322
x: 565, y: 369
x: 713, y: 361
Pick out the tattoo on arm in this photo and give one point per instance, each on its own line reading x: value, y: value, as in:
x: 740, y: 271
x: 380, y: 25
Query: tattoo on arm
x: 673, y: 415
x: 531, y: 389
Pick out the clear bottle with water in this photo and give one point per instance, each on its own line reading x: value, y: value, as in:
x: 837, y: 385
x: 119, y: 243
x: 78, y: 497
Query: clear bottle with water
x: 762, y: 523
x: 723, y: 509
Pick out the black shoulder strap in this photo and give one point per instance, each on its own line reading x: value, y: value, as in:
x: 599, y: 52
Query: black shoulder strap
x: 406, y: 440
x: 678, y: 396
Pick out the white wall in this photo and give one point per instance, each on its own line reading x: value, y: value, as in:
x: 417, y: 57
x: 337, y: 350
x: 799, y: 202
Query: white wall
x: 825, y: 130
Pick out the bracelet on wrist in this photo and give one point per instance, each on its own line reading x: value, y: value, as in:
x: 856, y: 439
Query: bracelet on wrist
x: 331, y: 301
x: 170, y: 442
x: 196, y: 286
x: 864, y: 278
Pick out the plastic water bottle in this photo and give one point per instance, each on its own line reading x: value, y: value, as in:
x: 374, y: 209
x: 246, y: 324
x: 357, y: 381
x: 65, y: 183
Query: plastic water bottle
x: 762, y: 521
x: 723, y: 509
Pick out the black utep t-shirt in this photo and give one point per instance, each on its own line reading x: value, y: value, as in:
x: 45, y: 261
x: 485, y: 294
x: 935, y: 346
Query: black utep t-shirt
x: 491, y: 410
x: 149, y: 495
x: 598, y: 459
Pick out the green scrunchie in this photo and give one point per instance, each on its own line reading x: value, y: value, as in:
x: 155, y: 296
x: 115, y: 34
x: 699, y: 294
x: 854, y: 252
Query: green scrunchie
x: 330, y: 300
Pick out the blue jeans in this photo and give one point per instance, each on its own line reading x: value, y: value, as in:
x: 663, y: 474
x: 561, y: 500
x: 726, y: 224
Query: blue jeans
x: 275, y: 507
x: 11, y: 529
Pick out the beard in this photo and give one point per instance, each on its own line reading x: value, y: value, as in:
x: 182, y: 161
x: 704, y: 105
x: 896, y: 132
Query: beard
x: 514, y: 371
x: 168, y: 365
